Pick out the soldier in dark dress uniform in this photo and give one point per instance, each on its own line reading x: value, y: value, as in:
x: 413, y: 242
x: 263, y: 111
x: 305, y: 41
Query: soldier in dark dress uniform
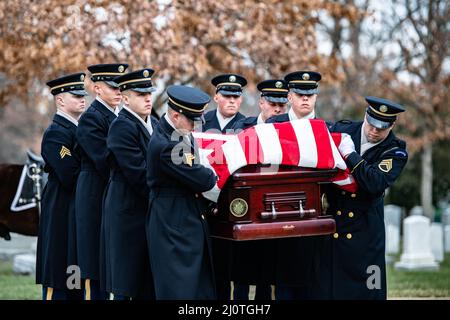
x: 228, y: 98
x: 352, y: 260
x: 177, y: 232
x: 252, y: 262
x: 126, y: 199
x: 56, y: 240
x: 294, y: 265
x: 91, y: 135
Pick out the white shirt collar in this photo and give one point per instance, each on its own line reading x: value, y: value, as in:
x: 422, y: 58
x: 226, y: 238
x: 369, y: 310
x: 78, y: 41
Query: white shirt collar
x: 365, y: 144
x: 147, y: 124
x: 293, y: 116
x: 115, y: 111
x: 222, y: 120
x: 259, y: 120
x: 67, y: 116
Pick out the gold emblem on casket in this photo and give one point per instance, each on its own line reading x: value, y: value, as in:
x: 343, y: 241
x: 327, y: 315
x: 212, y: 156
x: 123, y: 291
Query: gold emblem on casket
x: 385, y: 165
x: 238, y: 207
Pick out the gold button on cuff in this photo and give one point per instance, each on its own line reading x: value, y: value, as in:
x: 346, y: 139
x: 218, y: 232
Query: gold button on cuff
x: 349, y: 236
x: 338, y: 212
x: 353, y: 195
x: 336, y: 235
x: 350, y: 215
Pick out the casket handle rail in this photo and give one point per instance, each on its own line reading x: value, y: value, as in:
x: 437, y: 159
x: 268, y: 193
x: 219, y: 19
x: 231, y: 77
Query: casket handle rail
x: 285, y: 214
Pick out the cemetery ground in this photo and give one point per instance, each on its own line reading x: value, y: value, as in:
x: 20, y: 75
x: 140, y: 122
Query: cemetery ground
x: 401, y: 284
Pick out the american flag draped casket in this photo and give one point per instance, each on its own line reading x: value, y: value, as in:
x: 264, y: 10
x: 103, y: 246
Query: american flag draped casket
x: 270, y: 178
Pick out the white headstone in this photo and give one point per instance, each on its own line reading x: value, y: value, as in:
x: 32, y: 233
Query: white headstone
x: 392, y: 215
x: 437, y: 241
x: 416, y: 211
x: 447, y: 238
x: 24, y: 264
x: 446, y: 217
x: 416, y: 245
x: 392, y: 239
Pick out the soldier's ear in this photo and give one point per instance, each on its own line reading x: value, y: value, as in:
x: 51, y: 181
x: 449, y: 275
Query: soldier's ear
x: 216, y: 97
x: 59, y: 100
x: 97, y: 88
x: 290, y: 97
x: 260, y: 102
x: 125, y: 99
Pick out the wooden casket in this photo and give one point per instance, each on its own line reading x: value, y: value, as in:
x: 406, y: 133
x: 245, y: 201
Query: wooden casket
x: 261, y: 202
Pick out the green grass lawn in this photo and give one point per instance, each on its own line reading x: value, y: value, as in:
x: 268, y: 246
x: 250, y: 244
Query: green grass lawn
x: 417, y: 284
x: 17, y: 287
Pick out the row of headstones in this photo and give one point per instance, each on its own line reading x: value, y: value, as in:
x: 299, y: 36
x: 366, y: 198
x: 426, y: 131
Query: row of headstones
x: 424, y: 243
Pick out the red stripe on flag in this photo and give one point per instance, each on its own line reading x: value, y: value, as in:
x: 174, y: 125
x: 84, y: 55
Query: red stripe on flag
x: 337, y: 137
x: 324, y: 154
x: 288, y: 142
x: 249, y: 141
x: 216, y: 158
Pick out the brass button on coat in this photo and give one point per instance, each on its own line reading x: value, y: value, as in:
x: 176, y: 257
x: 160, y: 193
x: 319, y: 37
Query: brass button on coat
x: 353, y: 195
x: 351, y: 215
x: 338, y: 212
x: 336, y: 235
x: 349, y: 236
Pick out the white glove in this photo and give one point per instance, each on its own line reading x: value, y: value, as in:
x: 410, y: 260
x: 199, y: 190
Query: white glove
x: 346, y: 146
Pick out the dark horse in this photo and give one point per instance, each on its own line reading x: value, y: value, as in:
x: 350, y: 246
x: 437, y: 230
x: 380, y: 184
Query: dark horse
x: 20, y: 187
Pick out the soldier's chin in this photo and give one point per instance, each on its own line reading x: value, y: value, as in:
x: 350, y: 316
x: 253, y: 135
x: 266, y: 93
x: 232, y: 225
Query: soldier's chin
x: 372, y: 140
x: 185, y: 131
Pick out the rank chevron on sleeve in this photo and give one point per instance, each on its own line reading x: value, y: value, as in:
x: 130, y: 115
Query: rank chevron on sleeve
x: 64, y: 152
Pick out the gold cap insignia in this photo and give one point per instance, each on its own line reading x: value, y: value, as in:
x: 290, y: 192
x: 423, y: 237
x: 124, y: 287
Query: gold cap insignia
x: 82, y: 77
x: 121, y: 69
x: 305, y: 76
x: 385, y: 165
x: 232, y: 78
x: 383, y: 108
x: 278, y: 84
x: 64, y: 152
x: 189, y: 157
x: 145, y: 73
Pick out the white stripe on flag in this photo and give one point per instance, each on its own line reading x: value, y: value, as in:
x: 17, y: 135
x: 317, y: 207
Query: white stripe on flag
x: 346, y: 181
x: 215, y: 136
x: 338, y: 161
x: 234, y: 154
x: 270, y: 143
x: 306, y: 143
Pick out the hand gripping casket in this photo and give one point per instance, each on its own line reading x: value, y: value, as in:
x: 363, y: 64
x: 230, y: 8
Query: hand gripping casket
x: 261, y: 202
